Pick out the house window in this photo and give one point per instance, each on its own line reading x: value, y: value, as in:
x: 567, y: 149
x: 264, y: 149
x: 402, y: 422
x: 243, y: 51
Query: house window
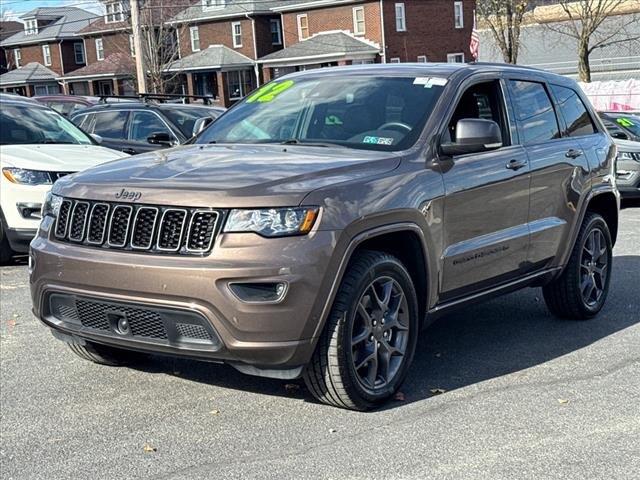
x: 401, y: 22
x: 31, y: 27
x: 195, y: 39
x: 455, y: 57
x: 78, y: 51
x: 458, y: 16
x: 276, y: 32
x: 358, y: 20
x: 132, y: 46
x: 114, y: 12
x: 303, y: 26
x: 212, y: 4
x: 236, y: 31
x: 99, y: 49
x: 394, y: 60
x: 422, y: 59
x: 17, y: 56
x: 240, y: 83
x: 46, y: 55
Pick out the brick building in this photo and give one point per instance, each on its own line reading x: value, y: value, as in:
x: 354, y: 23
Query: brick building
x: 7, y: 29
x: 47, y: 39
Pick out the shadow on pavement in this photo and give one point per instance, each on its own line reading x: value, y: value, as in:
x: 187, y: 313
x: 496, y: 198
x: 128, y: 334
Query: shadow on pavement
x: 481, y: 342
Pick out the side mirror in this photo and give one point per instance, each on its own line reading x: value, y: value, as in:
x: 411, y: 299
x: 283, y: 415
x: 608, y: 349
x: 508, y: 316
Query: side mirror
x: 200, y: 124
x: 160, y: 138
x: 620, y: 135
x: 96, y: 137
x: 474, y: 135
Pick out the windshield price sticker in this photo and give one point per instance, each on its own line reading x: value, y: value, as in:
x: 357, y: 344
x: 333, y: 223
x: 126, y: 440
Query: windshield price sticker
x: 625, y: 122
x: 269, y: 92
x: 378, y: 140
x: 429, y: 82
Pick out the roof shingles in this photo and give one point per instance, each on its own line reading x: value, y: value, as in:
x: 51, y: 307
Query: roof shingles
x: 32, y: 72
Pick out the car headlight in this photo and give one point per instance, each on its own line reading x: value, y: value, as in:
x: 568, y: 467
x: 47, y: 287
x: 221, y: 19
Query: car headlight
x: 51, y: 205
x: 628, y: 156
x: 273, y: 222
x: 27, y: 177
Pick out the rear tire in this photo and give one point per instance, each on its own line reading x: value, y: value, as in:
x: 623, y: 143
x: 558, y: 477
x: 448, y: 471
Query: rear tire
x: 368, y: 343
x: 104, y: 355
x: 580, y: 292
x: 6, y: 252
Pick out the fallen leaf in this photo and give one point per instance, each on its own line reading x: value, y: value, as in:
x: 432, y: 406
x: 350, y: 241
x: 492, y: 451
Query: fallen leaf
x: 563, y: 401
x: 332, y: 430
x: 437, y: 391
x: 399, y: 397
x: 149, y: 448
x: 215, y: 412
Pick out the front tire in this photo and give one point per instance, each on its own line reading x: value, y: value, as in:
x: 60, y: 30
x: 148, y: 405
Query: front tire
x: 370, y: 338
x: 580, y: 292
x: 6, y: 252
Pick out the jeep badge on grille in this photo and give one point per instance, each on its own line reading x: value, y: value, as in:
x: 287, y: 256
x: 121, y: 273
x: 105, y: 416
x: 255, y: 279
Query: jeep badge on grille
x: 127, y: 195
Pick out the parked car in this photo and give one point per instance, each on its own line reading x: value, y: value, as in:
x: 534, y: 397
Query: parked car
x: 145, y: 126
x: 314, y: 228
x: 15, y: 97
x: 37, y: 146
x: 628, y: 168
x: 622, y: 126
x: 68, y: 105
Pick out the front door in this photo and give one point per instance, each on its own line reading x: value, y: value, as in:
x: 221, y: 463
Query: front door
x: 486, y: 204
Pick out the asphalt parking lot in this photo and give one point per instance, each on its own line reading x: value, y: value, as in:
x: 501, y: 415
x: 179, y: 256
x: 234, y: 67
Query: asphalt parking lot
x: 499, y: 390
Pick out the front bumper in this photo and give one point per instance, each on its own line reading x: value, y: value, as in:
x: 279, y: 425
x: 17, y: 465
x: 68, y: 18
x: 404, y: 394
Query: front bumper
x: 267, y: 338
x: 628, y: 178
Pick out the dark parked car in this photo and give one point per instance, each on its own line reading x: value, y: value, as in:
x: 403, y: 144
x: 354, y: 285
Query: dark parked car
x: 138, y: 127
x: 314, y: 228
x: 622, y: 126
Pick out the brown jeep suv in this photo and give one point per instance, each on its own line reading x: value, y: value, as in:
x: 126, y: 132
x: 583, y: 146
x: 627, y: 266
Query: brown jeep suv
x: 314, y: 228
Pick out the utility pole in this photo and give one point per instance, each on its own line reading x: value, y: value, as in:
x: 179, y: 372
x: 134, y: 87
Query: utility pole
x: 137, y: 45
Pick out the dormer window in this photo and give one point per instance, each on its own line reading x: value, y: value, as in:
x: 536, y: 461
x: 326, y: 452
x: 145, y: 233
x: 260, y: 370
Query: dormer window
x: 31, y: 27
x: 114, y: 12
x: 213, y: 4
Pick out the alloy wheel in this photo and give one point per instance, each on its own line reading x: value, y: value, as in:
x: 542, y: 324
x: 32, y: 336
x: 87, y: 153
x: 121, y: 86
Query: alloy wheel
x: 594, y: 266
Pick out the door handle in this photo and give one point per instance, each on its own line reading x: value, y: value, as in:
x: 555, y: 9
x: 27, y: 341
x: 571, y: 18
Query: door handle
x: 515, y: 164
x: 572, y: 153
x: 130, y: 151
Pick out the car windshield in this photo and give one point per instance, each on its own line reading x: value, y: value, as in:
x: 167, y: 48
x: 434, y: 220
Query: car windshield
x: 26, y: 124
x: 629, y: 122
x: 185, y: 118
x: 355, y: 111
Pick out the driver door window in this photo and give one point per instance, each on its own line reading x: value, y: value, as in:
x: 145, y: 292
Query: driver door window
x: 144, y: 124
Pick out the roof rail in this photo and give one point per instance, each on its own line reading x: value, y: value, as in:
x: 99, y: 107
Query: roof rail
x: 144, y: 97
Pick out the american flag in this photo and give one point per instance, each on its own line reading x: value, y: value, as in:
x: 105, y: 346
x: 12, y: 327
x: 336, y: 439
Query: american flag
x: 474, y: 46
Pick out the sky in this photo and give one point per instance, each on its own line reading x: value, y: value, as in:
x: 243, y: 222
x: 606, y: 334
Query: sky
x: 12, y: 9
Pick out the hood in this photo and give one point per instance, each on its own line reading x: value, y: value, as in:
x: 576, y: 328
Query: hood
x: 227, y: 175
x: 627, y: 145
x: 57, y: 158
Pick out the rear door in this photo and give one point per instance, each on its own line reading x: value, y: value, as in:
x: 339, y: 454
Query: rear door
x: 487, y: 200
x: 111, y: 125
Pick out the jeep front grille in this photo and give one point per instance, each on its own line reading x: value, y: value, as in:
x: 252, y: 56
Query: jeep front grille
x: 141, y: 228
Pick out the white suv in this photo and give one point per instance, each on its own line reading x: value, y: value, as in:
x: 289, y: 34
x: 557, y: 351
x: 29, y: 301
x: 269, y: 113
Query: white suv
x: 37, y: 146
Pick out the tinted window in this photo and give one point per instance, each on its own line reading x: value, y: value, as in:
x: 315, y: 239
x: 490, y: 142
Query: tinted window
x: 574, y: 112
x: 534, y: 112
x: 143, y: 124
x: 110, y: 124
x: 185, y: 118
x: 84, y: 122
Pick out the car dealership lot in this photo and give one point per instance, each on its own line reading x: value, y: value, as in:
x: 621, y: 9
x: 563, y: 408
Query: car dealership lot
x: 499, y: 390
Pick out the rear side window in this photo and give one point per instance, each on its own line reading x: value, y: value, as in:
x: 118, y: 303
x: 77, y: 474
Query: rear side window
x: 84, y: 122
x: 111, y: 124
x: 534, y: 112
x: 144, y: 124
x: 574, y: 112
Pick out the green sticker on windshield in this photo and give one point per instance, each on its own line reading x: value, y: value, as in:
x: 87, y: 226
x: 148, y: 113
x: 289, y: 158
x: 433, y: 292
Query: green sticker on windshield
x: 270, y: 91
x: 625, y: 122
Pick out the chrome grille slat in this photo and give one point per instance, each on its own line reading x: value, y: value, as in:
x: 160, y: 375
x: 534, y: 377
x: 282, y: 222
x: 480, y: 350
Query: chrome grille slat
x: 140, y: 228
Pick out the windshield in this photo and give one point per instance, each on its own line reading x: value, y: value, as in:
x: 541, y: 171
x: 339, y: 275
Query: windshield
x: 26, y: 124
x: 383, y: 113
x: 629, y: 122
x: 185, y: 118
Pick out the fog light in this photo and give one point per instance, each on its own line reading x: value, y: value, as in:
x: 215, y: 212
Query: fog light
x: 262, y: 292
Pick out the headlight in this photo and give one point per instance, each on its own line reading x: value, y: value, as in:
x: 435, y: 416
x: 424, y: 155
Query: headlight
x: 273, y: 222
x: 628, y: 156
x: 27, y: 177
x: 51, y: 205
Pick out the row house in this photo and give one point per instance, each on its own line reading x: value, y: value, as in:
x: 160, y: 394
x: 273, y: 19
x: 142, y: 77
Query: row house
x: 44, y: 49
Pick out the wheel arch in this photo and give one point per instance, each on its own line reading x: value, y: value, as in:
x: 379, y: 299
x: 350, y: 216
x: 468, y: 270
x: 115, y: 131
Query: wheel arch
x: 606, y: 205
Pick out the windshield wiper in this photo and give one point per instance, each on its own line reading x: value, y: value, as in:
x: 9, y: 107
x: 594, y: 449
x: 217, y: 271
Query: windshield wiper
x: 295, y: 141
x: 49, y: 141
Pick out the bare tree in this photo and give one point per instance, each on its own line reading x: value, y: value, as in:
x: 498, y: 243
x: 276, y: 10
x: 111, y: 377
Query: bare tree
x: 594, y: 24
x: 504, y: 17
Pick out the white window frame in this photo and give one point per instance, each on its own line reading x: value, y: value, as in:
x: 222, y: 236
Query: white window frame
x: 451, y: 57
x: 299, y: 22
x: 194, y: 35
x: 46, y: 54
x: 278, y: 30
x: 75, y: 53
x: 99, y: 49
x: 17, y: 56
x: 31, y: 27
x: 394, y: 60
x: 458, y: 7
x: 237, y: 42
x: 355, y: 21
x: 213, y: 4
x: 114, y: 12
x: 132, y: 46
x: 401, y: 20
x: 422, y: 59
